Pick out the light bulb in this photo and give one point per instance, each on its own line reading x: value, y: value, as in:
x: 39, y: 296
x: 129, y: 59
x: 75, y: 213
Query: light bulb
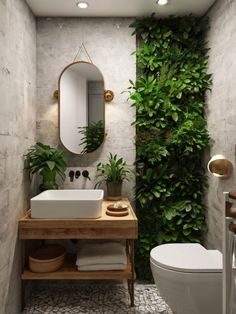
x: 162, y: 2
x: 82, y: 5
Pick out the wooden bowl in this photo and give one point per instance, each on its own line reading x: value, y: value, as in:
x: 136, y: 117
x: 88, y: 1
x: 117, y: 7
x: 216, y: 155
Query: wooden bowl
x: 117, y: 209
x: 47, y: 259
x: 117, y: 213
x: 112, y: 210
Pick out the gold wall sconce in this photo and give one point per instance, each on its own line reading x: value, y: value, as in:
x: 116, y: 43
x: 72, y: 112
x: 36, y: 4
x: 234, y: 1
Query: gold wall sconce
x: 108, y: 95
x: 56, y: 94
x: 220, y: 166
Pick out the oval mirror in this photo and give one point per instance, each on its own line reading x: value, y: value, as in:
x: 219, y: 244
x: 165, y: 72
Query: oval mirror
x: 81, y: 107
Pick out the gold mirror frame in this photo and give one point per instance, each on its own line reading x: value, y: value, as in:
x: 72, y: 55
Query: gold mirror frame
x: 57, y: 96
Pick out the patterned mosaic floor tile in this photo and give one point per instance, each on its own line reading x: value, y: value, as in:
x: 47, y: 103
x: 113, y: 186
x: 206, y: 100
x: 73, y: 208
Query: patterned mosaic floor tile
x: 95, y: 299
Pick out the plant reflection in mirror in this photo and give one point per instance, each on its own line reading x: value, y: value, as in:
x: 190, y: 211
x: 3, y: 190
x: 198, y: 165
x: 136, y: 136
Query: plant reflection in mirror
x: 93, y: 136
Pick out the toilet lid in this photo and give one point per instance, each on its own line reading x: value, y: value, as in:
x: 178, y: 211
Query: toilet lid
x: 187, y: 257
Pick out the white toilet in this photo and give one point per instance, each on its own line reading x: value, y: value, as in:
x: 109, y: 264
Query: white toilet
x: 189, y: 277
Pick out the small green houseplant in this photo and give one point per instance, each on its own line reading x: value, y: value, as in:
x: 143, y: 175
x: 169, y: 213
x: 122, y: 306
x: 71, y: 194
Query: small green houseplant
x: 114, y: 172
x: 46, y: 161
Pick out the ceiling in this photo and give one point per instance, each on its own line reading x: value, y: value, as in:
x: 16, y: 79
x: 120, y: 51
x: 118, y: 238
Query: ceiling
x: 117, y: 8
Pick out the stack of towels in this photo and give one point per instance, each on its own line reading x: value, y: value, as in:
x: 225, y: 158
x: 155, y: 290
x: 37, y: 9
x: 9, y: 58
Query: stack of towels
x: 102, y: 256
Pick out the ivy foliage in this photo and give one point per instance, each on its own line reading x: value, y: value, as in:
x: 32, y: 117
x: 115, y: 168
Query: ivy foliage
x: 169, y: 97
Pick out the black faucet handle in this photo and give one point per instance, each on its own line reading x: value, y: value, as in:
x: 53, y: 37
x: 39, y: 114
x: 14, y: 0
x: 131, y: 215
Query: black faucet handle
x: 77, y: 174
x: 85, y: 174
x: 71, y: 175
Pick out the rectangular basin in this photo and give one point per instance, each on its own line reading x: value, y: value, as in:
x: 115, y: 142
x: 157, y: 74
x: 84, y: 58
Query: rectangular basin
x: 67, y: 204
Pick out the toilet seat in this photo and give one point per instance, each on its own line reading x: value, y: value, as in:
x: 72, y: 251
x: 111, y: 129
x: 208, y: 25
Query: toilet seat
x: 187, y: 257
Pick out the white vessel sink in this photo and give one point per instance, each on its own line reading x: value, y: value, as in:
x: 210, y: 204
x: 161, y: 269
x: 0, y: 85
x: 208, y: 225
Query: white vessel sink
x: 67, y: 204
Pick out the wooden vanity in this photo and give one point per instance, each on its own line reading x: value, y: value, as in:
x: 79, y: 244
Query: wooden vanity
x: 105, y: 227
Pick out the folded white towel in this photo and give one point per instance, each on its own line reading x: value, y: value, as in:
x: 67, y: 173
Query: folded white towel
x: 102, y: 267
x: 102, y: 253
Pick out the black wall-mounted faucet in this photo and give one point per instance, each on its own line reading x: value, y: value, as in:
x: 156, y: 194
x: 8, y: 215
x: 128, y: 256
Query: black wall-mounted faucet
x: 71, y: 175
x: 85, y: 174
x: 77, y: 174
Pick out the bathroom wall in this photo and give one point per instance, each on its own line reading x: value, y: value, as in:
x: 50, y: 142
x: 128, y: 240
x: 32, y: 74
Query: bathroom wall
x: 17, y: 133
x: 109, y: 44
x: 221, y: 111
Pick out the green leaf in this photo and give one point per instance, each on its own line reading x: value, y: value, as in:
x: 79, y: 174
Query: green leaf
x: 170, y: 213
x: 156, y: 194
x: 51, y: 164
x: 179, y: 95
x: 187, y: 232
x: 175, y: 116
x: 188, y: 208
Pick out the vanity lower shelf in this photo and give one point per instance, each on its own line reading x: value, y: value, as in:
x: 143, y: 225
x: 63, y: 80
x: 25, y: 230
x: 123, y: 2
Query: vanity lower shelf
x: 69, y: 271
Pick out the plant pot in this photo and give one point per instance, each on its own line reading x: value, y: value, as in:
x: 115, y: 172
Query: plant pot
x: 49, y: 181
x: 114, y: 191
x: 48, y: 185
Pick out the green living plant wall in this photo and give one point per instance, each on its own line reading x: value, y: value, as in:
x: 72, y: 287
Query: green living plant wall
x: 169, y: 97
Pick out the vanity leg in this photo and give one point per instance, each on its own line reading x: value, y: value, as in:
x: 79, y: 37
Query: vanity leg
x: 131, y: 281
x: 23, y: 253
x: 131, y: 291
x: 22, y: 295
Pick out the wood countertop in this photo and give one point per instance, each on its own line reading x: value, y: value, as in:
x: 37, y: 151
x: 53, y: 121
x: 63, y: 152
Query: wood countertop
x: 104, y: 227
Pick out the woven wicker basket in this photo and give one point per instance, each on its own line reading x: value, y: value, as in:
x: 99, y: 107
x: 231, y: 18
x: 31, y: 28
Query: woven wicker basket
x: 47, y: 259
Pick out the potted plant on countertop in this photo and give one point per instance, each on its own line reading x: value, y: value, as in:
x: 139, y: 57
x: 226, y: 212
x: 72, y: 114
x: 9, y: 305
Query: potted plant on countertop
x: 48, y: 162
x: 113, y: 173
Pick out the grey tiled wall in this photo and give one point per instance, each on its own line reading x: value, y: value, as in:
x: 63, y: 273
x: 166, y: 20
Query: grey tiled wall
x: 17, y: 133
